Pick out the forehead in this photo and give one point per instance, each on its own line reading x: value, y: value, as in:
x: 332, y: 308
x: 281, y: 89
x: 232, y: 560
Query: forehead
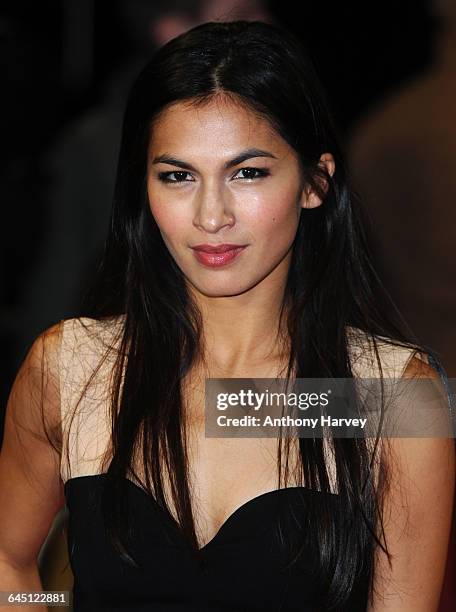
x: 218, y: 125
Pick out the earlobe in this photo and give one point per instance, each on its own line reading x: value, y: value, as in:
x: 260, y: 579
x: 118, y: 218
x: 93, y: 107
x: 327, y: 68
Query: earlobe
x: 309, y: 199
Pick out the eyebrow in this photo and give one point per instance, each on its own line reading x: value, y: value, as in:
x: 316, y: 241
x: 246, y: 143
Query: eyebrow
x: 243, y: 156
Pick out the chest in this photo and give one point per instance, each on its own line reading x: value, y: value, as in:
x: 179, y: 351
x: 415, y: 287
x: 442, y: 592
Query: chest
x: 226, y: 474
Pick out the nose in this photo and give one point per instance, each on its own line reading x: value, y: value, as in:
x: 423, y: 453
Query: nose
x: 213, y: 208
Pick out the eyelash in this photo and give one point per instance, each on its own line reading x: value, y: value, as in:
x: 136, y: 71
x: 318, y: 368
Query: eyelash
x: 163, y: 176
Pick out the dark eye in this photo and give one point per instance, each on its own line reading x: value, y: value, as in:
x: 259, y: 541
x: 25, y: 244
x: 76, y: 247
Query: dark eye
x: 178, y: 174
x: 253, y: 173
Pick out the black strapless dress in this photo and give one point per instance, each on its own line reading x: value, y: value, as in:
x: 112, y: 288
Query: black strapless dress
x: 244, y: 567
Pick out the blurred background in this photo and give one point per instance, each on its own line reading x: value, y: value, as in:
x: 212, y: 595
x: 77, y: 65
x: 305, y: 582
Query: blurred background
x: 390, y: 72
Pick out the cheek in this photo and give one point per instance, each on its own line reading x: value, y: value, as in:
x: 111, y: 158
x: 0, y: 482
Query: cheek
x: 170, y: 219
x: 275, y: 216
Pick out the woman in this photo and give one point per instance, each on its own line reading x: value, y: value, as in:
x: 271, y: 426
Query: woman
x: 236, y: 250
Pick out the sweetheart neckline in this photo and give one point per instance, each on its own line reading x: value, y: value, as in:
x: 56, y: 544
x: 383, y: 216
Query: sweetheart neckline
x: 226, y: 523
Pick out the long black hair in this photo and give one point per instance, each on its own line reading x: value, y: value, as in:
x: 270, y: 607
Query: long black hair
x: 331, y: 285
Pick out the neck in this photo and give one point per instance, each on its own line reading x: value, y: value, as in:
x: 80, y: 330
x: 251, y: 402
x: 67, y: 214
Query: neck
x: 241, y: 332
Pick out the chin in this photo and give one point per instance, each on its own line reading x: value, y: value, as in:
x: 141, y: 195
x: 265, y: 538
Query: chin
x: 226, y: 285
x: 221, y: 288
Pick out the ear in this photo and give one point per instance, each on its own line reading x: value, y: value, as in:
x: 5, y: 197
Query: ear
x: 309, y: 199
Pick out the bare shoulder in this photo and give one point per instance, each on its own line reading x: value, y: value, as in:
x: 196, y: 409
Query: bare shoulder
x: 418, y: 366
x: 45, y: 346
x: 417, y: 511
x: 35, y: 394
x: 30, y: 485
x: 376, y: 356
x: 85, y: 333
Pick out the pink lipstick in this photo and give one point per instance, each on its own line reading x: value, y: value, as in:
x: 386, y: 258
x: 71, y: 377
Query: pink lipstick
x: 215, y: 255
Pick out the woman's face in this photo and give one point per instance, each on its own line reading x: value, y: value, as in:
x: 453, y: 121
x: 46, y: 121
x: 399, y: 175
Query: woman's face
x: 220, y: 175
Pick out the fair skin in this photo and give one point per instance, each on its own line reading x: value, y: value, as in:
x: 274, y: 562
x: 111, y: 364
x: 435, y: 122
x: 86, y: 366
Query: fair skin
x: 218, y: 204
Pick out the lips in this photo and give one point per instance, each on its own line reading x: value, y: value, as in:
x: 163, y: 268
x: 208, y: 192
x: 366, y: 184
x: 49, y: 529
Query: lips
x: 219, y: 248
x: 215, y: 256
